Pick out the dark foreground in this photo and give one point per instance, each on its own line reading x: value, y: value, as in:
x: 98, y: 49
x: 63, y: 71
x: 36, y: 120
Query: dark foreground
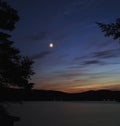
x: 67, y: 113
x: 19, y: 95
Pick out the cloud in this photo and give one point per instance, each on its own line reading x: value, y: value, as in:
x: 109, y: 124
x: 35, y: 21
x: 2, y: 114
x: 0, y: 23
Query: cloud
x: 41, y: 55
x: 70, y: 75
x: 113, y: 53
x: 92, y: 62
x: 95, y: 57
x: 80, y: 58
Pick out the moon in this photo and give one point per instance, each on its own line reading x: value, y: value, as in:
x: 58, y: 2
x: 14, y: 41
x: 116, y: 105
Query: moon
x: 51, y: 45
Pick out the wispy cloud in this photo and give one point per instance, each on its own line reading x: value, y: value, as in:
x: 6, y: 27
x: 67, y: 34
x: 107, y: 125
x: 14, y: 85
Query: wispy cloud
x: 41, y: 55
x: 81, y: 57
x: 97, y: 58
x: 92, y: 62
x: 104, y: 54
x: 70, y: 75
x: 113, y: 53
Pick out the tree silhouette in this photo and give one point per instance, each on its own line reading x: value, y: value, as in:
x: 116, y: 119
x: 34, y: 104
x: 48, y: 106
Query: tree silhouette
x: 15, y: 70
x: 112, y: 29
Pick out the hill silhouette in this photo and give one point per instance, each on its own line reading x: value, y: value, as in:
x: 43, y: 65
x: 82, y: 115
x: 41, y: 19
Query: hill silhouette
x: 10, y: 94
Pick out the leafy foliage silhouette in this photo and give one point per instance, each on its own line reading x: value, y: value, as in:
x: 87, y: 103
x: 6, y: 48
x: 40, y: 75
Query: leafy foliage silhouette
x: 15, y: 70
x: 112, y: 29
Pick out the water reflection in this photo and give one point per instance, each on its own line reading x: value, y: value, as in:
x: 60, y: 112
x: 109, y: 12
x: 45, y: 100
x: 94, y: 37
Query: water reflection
x: 67, y: 114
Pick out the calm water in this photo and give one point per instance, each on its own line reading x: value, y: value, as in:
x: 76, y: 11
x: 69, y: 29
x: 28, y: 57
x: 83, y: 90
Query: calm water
x: 67, y: 114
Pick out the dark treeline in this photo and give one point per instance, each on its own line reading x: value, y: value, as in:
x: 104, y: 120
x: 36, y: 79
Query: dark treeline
x: 15, y: 69
x: 49, y: 95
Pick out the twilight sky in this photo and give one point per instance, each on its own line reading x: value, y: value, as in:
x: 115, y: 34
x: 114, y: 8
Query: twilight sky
x: 82, y: 58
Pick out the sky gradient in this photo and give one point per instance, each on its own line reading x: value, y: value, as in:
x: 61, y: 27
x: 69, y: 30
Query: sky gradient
x: 82, y: 58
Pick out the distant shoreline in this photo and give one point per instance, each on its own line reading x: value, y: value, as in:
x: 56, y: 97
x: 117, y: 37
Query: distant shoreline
x: 49, y: 95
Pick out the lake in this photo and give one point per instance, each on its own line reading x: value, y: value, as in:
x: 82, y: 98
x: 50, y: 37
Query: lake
x: 67, y: 113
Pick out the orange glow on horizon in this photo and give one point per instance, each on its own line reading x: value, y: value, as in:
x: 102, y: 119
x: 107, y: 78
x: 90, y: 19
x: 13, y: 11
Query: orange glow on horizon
x: 78, y: 88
